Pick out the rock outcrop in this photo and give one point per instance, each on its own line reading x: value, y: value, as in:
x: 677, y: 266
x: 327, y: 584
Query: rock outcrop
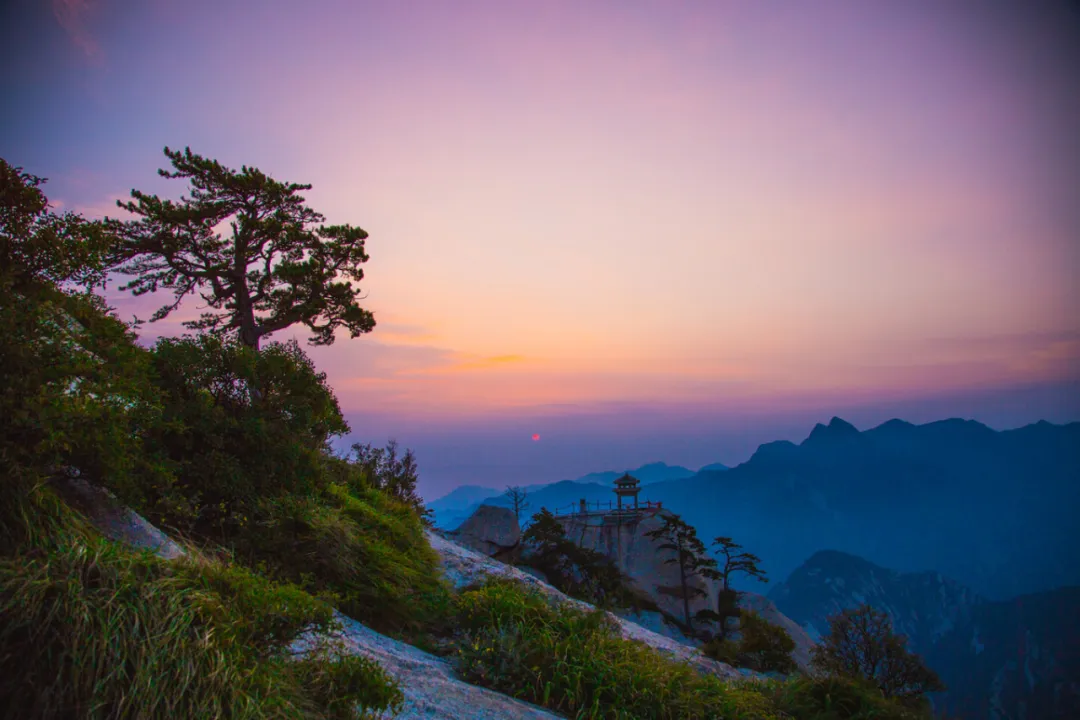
x: 623, y: 540
x: 491, y: 530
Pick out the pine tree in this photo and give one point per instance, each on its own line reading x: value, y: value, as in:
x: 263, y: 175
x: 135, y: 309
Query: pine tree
x: 690, y: 556
x: 734, y: 561
x: 276, y: 265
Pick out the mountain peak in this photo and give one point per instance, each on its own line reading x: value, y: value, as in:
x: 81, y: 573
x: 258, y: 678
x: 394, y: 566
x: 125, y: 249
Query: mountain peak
x: 837, y: 428
x: 838, y: 424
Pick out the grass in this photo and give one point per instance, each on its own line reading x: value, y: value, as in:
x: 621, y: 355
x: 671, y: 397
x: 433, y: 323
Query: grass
x: 576, y: 663
x: 89, y: 629
x: 360, y: 547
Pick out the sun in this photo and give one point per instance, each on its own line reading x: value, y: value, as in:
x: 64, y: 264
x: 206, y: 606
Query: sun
x: 536, y: 437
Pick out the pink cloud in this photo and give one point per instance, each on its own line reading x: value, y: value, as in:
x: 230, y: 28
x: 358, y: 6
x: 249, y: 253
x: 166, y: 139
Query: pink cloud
x: 73, y: 16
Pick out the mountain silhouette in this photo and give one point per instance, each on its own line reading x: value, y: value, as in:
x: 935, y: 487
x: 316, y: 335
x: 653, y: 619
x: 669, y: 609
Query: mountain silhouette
x: 995, y: 510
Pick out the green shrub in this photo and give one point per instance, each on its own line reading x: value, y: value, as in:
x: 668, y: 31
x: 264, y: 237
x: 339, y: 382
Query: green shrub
x: 579, y: 572
x: 838, y: 698
x: 762, y: 646
x: 339, y: 684
x: 90, y: 630
x: 238, y: 427
x: 725, y: 651
x: 576, y: 663
x: 368, y: 551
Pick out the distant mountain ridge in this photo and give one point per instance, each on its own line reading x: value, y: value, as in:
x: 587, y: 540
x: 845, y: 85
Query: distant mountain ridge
x: 995, y: 510
x: 999, y: 660
x: 462, y: 496
x: 459, y: 504
x: 923, y: 606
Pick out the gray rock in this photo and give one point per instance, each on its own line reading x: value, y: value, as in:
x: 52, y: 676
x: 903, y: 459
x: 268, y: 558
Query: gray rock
x: 490, y: 530
x: 428, y: 683
x: 113, y: 519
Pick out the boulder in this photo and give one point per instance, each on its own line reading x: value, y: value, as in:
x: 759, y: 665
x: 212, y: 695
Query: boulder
x: 491, y: 530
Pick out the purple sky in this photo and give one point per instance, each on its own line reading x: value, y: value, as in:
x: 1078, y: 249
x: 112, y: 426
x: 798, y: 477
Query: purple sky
x: 645, y: 231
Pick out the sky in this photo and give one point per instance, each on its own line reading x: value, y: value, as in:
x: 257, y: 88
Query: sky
x: 641, y: 230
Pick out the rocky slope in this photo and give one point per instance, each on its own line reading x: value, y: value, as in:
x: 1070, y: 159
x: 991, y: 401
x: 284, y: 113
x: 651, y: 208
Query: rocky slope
x: 431, y: 689
x: 465, y: 567
x: 429, y: 683
x: 1014, y: 660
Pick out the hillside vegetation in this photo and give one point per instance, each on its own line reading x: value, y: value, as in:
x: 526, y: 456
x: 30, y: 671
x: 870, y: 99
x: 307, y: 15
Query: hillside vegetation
x: 226, y: 444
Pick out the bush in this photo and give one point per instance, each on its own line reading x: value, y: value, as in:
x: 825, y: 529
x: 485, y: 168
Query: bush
x: 762, y: 646
x: 91, y: 630
x: 838, y: 698
x: 366, y: 550
x: 579, y: 572
x: 861, y: 645
x: 238, y: 427
x: 577, y: 664
x: 247, y: 435
x: 382, y: 469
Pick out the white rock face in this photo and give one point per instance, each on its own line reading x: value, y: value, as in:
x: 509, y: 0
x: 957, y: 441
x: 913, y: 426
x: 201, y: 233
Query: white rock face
x: 114, y: 520
x: 428, y: 683
x: 623, y: 541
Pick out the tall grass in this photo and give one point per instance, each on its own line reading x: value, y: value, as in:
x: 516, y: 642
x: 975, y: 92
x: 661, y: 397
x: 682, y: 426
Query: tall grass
x: 576, y: 663
x: 89, y: 629
x: 360, y: 546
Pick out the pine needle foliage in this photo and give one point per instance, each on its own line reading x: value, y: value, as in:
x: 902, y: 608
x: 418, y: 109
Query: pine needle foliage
x: 250, y: 247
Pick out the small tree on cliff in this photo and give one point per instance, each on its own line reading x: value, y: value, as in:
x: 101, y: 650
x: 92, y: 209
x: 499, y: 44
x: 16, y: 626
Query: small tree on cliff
x: 690, y: 557
x: 277, y: 265
x: 861, y: 644
x: 518, y: 497
x: 733, y: 560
